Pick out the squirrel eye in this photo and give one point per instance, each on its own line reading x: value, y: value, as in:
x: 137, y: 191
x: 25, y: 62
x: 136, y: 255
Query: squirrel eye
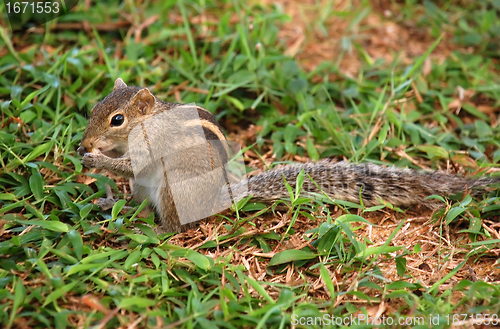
x: 117, y: 120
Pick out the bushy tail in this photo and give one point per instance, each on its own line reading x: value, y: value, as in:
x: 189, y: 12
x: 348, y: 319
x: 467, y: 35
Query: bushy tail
x: 344, y: 181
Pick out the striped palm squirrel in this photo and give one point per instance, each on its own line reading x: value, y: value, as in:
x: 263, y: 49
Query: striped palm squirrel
x: 105, y: 144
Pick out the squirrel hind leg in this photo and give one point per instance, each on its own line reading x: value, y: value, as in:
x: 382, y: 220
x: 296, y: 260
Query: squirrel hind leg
x: 172, y: 228
x: 194, y: 225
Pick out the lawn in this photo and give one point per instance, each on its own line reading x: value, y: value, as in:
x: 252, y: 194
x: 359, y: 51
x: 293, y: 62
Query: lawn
x: 411, y: 83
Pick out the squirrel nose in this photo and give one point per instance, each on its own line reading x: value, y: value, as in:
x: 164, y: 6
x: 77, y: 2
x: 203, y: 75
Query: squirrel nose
x: 85, y: 146
x: 82, y: 150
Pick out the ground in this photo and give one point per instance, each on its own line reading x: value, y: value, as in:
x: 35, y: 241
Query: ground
x: 405, y: 83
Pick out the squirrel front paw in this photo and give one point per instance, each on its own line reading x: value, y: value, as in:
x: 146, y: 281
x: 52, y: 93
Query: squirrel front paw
x: 92, y: 160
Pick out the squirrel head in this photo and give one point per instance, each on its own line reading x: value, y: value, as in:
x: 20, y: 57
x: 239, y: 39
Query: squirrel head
x: 115, y: 116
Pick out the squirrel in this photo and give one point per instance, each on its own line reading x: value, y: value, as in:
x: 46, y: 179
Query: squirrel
x: 105, y: 145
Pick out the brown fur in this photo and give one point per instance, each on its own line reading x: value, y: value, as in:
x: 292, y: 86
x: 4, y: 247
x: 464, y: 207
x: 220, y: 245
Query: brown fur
x: 105, y: 146
x: 345, y: 181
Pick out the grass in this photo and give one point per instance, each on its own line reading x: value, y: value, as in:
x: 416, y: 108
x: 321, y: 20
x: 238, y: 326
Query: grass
x: 412, y: 84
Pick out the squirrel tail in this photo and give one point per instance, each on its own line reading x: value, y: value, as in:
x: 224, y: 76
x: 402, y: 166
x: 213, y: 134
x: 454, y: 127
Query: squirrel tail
x: 346, y: 181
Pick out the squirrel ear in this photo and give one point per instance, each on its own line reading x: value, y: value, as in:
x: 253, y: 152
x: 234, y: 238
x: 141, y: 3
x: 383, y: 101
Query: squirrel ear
x: 143, y: 101
x: 119, y: 84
